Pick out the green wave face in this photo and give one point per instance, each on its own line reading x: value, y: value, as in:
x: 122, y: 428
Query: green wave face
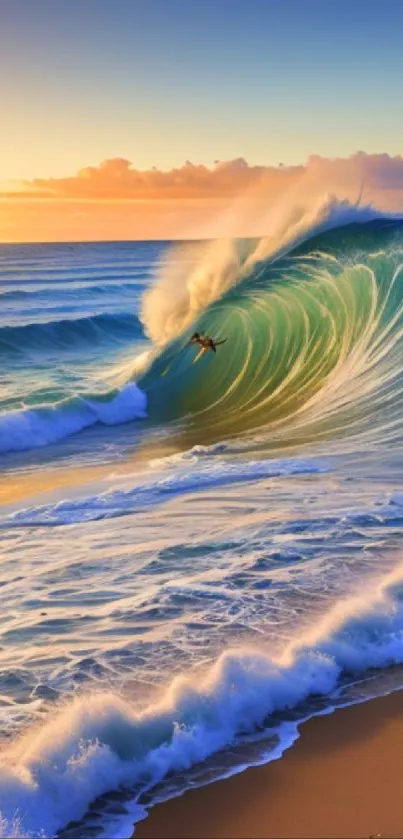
x: 314, y: 347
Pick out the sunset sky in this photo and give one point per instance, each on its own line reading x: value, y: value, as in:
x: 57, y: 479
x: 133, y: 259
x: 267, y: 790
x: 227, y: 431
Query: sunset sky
x: 144, y: 118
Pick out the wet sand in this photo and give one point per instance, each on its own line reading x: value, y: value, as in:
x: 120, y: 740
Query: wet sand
x: 342, y: 778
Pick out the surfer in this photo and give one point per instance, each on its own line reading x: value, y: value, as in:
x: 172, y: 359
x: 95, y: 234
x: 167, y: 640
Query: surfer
x: 205, y: 342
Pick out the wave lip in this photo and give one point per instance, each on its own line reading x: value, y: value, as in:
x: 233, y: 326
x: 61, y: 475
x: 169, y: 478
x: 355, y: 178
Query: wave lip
x: 198, y: 275
x: 99, y: 743
x: 36, y: 427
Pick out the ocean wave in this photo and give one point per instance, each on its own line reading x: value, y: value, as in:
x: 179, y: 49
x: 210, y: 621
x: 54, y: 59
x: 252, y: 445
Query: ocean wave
x: 75, y: 288
x: 34, y: 427
x: 69, y: 333
x: 100, y: 743
x: 313, y: 321
x: 195, y: 275
x: 314, y: 339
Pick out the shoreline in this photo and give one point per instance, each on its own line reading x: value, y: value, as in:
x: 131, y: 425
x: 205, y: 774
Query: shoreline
x: 341, y: 778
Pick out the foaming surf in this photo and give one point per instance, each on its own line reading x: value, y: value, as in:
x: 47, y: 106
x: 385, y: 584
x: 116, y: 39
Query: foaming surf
x: 101, y: 743
x: 35, y: 427
x: 186, y: 473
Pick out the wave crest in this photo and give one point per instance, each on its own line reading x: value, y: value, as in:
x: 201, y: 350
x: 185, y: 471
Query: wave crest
x: 197, y: 274
x: 31, y: 428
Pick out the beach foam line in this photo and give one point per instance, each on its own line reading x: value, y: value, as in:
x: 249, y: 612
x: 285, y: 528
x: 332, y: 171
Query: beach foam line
x: 99, y: 743
x: 191, y: 471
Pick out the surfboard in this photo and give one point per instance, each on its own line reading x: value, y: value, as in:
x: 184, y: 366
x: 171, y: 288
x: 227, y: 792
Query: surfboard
x: 199, y: 354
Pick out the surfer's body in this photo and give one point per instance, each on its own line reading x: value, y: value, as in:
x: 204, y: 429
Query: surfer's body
x: 205, y: 342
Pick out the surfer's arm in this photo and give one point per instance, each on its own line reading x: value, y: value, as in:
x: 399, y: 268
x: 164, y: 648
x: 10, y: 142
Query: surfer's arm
x: 196, y: 338
x: 217, y: 343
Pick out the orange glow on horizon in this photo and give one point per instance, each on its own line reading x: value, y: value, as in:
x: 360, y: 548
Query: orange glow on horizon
x: 114, y: 201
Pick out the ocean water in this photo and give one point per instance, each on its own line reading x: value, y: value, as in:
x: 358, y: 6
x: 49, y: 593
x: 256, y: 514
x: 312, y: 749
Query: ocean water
x: 194, y: 556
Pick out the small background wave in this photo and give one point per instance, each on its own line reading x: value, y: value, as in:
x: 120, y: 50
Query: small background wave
x: 68, y: 321
x: 71, y: 333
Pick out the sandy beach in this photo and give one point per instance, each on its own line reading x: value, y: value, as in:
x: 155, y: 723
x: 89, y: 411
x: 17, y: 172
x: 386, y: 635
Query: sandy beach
x: 342, y: 778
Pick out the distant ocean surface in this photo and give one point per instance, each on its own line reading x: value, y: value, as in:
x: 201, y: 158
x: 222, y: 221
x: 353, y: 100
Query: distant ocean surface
x: 194, y: 556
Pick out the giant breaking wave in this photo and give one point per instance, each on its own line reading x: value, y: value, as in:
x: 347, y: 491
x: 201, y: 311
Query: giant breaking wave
x: 313, y: 319
x: 314, y: 325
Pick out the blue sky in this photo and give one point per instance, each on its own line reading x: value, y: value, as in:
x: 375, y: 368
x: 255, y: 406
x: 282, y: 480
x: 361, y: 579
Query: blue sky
x: 162, y: 81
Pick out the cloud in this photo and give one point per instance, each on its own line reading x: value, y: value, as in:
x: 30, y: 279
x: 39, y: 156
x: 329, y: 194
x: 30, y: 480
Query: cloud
x: 116, y: 178
x: 230, y: 198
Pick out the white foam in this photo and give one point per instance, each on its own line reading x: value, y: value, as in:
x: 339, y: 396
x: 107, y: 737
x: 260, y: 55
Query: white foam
x: 100, y: 742
x: 35, y: 427
x: 12, y: 829
x: 185, y: 474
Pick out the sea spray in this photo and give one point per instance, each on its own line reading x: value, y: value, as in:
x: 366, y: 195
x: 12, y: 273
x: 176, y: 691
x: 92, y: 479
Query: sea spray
x: 196, y: 275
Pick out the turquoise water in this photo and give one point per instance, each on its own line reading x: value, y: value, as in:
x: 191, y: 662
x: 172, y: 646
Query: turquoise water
x: 313, y: 349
